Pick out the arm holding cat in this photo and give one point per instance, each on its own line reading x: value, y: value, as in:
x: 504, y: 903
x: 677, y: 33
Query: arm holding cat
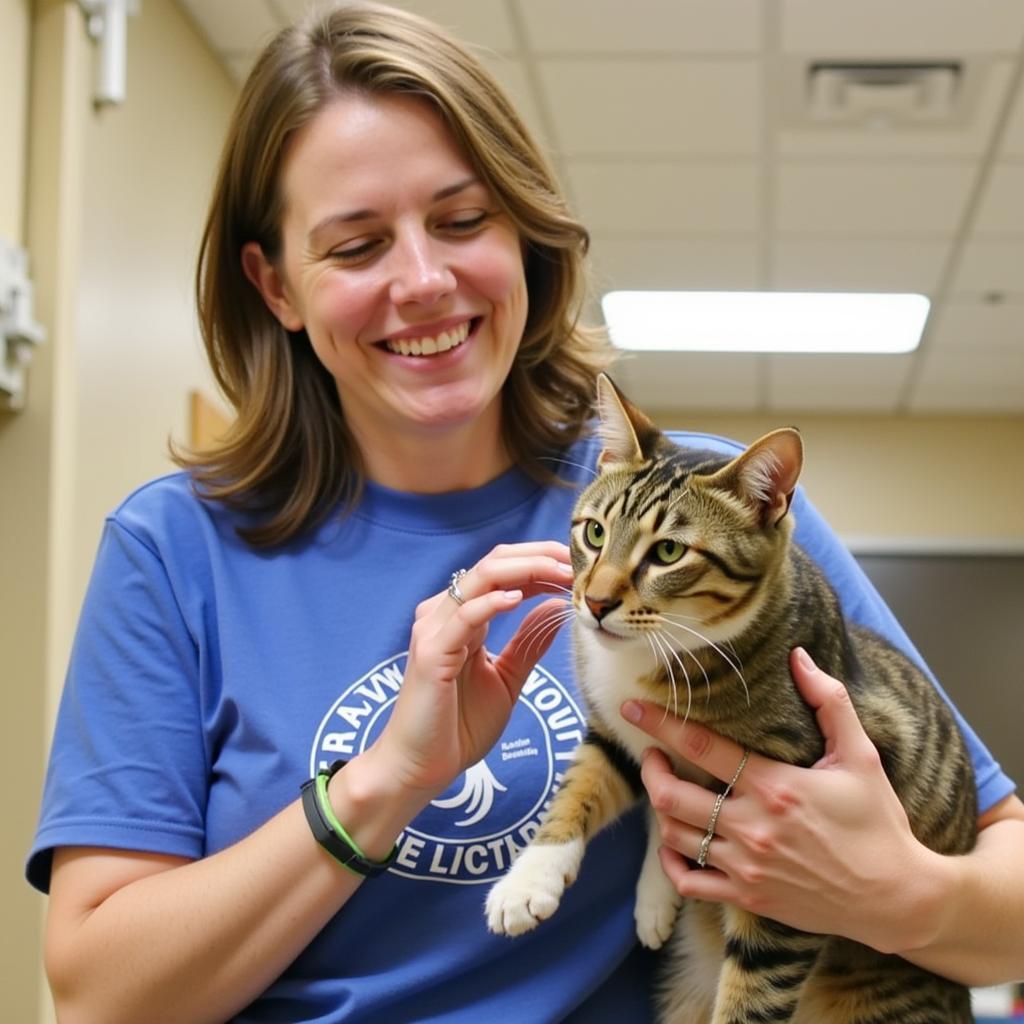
x: 829, y: 848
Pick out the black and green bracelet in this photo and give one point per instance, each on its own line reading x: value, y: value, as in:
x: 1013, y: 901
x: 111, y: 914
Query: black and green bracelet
x: 330, y: 833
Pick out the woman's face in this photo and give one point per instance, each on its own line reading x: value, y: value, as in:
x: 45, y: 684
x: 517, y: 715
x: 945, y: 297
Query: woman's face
x: 399, y: 264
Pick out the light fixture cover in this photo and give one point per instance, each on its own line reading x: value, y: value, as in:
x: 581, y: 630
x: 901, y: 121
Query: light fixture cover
x: 811, y: 322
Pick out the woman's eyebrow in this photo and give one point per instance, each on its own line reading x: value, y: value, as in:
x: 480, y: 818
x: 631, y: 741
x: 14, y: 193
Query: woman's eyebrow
x: 350, y: 216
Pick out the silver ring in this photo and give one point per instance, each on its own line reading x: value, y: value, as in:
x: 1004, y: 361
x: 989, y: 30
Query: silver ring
x: 705, y: 843
x: 702, y: 853
x: 453, y: 586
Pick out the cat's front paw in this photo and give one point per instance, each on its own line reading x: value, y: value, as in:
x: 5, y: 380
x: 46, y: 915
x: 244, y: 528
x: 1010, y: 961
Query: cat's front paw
x: 656, y: 909
x: 532, y: 889
x: 654, y: 924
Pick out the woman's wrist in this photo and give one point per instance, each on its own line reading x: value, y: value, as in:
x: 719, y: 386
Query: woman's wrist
x: 933, y: 884
x: 370, y: 804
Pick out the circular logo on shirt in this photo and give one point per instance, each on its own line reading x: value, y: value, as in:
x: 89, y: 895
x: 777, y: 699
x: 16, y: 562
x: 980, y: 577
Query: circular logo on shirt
x: 471, y: 832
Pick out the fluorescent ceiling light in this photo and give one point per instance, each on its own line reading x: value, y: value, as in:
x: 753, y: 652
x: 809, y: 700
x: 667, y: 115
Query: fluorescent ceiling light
x: 765, y: 321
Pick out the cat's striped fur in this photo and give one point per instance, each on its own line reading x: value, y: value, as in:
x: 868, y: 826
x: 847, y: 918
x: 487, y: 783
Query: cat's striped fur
x: 685, y: 558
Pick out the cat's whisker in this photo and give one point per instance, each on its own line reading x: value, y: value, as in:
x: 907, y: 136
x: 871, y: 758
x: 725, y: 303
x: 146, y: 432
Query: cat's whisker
x: 549, y: 623
x: 547, y: 585
x: 568, y: 462
x: 664, y: 643
x: 659, y: 656
x: 681, y: 617
x: 657, y: 641
x: 710, y: 643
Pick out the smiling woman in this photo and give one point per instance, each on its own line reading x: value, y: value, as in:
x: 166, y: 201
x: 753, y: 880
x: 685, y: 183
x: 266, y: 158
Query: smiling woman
x: 407, y: 277
x: 313, y: 220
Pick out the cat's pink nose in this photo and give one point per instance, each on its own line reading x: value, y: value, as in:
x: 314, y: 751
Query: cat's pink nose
x: 601, y: 606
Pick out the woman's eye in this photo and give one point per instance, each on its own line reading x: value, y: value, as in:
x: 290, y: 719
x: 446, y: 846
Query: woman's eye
x: 593, y: 534
x: 354, y: 253
x: 668, y: 551
x: 464, y: 225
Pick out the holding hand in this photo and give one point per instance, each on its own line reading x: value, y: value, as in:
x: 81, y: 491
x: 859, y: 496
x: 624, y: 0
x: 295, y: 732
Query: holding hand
x: 825, y: 849
x: 455, y: 699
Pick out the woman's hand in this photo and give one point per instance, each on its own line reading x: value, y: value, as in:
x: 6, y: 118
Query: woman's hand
x: 455, y: 699
x: 825, y: 849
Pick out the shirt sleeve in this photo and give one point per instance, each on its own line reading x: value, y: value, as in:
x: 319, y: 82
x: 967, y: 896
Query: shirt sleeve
x: 128, y: 767
x: 862, y: 604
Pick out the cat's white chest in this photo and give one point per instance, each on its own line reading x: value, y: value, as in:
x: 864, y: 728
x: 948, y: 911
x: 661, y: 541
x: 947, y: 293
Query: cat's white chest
x: 612, y: 670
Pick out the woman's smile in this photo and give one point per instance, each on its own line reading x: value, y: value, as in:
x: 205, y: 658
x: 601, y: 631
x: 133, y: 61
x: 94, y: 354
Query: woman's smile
x: 438, y: 340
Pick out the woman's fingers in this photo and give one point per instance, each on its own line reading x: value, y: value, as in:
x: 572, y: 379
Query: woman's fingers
x: 717, y: 755
x: 532, y: 574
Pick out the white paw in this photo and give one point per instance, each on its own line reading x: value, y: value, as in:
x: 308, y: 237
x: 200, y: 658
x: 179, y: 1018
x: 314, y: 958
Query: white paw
x: 532, y: 889
x: 656, y: 909
x: 654, y: 924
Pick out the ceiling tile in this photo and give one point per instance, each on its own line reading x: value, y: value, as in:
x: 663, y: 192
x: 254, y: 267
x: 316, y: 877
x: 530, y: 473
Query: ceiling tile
x: 978, y: 328
x: 908, y: 28
x: 969, y: 383
x: 836, y: 383
x: 240, y: 64
x: 512, y: 77
x: 684, y: 26
x: 667, y: 197
x: 1001, y: 210
x: 883, y: 265
x: 653, y: 107
x: 483, y: 22
x: 233, y: 25
x: 967, y: 132
x: 885, y: 198
x: 685, y: 381
x: 991, y: 265
x: 674, y: 263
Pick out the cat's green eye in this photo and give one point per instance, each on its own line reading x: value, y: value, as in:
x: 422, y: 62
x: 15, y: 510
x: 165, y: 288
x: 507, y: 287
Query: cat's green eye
x: 668, y: 551
x: 593, y: 533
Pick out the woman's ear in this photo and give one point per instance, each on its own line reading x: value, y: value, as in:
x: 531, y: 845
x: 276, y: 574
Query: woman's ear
x: 269, y: 283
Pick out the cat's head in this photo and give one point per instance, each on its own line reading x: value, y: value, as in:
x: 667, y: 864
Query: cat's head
x: 674, y: 545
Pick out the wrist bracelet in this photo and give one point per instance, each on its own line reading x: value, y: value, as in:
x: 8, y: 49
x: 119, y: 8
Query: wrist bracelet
x: 331, y: 834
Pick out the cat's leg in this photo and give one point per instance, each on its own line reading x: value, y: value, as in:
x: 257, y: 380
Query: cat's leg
x: 766, y: 968
x: 691, y: 965
x: 657, y: 902
x: 593, y: 794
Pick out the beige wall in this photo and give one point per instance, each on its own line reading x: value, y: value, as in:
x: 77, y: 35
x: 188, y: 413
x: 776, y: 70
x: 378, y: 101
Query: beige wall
x: 148, y: 168
x: 14, y: 40
x: 948, y: 483
x: 22, y: 586
x: 109, y: 204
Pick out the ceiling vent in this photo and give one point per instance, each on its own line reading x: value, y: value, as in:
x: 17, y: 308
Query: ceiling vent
x: 882, y: 94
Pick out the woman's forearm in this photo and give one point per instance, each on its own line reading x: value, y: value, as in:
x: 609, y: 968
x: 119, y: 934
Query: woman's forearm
x: 200, y: 940
x: 975, y: 920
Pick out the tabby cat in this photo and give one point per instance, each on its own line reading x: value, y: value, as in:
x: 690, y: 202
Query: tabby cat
x: 685, y: 558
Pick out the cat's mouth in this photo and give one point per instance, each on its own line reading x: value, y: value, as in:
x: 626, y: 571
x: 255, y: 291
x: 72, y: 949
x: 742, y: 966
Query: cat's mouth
x: 602, y: 630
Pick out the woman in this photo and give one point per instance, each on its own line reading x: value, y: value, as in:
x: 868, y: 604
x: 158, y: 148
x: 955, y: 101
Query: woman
x: 388, y: 289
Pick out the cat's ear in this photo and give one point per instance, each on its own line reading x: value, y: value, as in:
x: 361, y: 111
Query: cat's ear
x: 628, y: 435
x: 765, y: 475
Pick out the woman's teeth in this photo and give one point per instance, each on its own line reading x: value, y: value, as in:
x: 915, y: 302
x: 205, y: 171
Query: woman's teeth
x: 428, y: 346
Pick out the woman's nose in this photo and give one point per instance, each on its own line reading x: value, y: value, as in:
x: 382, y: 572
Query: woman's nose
x: 421, y: 273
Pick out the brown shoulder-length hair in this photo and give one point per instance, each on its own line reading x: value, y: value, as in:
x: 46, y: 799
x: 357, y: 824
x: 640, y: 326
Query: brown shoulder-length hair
x: 289, y: 458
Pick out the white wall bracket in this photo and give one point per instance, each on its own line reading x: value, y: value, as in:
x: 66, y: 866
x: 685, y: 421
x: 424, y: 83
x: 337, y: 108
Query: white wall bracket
x: 19, y: 332
x: 107, y: 22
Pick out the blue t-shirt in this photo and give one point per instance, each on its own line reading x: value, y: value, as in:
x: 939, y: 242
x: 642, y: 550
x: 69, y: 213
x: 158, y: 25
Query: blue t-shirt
x: 208, y: 680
